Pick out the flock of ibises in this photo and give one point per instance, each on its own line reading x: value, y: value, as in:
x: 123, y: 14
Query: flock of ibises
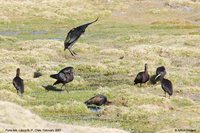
x: 66, y: 75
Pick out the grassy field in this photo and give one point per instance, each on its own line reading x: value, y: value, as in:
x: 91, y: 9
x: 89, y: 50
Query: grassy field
x: 156, y: 32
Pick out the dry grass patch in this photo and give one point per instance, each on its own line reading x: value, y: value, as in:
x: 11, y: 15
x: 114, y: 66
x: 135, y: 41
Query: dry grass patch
x: 12, y: 117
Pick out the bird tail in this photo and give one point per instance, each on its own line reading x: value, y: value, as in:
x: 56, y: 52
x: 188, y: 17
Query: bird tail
x: 21, y: 90
x: 21, y: 95
x: 87, y: 102
x: 93, y: 21
x: 87, y: 24
x: 108, y: 103
x: 55, y: 76
x: 170, y: 92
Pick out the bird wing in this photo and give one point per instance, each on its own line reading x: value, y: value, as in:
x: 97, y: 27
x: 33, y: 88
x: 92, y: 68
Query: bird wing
x: 65, y: 70
x: 72, y: 36
x: 62, y: 77
x: 97, y: 100
x: 89, y: 101
x: 84, y: 26
x: 167, y: 86
x: 55, y: 76
x: 15, y: 84
x: 18, y: 84
x: 138, y: 77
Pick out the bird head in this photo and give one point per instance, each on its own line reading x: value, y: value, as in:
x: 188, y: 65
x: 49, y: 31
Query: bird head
x: 145, y: 65
x: 70, y: 69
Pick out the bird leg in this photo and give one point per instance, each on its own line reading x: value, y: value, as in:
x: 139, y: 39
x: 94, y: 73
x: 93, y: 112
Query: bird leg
x: 21, y: 94
x: 74, y: 53
x: 71, y: 52
x: 62, y: 87
x: 66, y: 89
x: 165, y: 94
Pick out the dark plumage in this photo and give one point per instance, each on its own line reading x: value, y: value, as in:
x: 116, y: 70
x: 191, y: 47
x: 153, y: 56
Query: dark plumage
x: 165, y: 84
x: 73, y: 35
x: 142, y: 77
x: 152, y: 79
x: 66, y: 75
x: 98, y: 100
x: 161, y: 69
x: 158, y: 71
x: 18, y: 83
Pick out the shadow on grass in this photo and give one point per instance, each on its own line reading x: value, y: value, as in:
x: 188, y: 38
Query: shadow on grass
x: 51, y: 88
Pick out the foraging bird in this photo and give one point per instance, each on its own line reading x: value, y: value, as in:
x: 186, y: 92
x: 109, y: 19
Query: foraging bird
x: 98, y: 100
x: 152, y: 79
x: 66, y: 75
x: 142, y: 77
x: 161, y: 69
x: 73, y: 35
x: 158, y: 71
x: 165, y: 84
x: 18, y: 83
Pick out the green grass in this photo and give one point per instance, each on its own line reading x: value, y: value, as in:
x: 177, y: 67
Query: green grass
x: 98, y: 69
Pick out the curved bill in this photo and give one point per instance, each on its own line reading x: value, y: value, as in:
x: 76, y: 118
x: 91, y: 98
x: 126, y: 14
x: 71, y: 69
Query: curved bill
x: 157, y: 76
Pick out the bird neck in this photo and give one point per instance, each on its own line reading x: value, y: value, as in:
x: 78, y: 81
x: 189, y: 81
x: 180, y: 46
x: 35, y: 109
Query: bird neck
x: 161, y: 78
x: 18, y: 73
x: 145, y: 69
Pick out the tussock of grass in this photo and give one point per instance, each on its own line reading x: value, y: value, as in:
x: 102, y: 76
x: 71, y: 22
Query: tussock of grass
x: 112, y: 51
x: 183, y: 102
x: 182, y: 2
x: 10, y: 96
x: 86, y: 49
x: 57, y: 10
x: 18, y: 120
x: 71, y: 107
x: 7, y: 39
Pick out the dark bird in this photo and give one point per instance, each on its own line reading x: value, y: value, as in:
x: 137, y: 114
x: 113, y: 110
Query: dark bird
x: 142, y: 77
x: 165, y: 84
x: 66, y: 75
x: 158, y: 71
x: 18, y: 83
x: 161, y: 69
x: 98, y: 100
x: 73, y: 35
x: 152, y: 79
